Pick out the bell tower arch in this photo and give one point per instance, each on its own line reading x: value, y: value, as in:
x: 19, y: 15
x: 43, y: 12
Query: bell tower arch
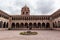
x: 25, y: 10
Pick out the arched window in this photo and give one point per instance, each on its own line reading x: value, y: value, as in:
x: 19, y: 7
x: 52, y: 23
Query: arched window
x: 13, y: 25
x: 23, y: 13
x: 47, y: 25
x: 1, y: 24
x: 17, y: 25
x: 39, y: 25
x: 53, y: 25
x: 4, y: 25
x: 35, y: 25
x: 26, y: 12
x: 22, y: 25
x: 43, y: 25
x: 59, y: 24
x: 26, y: 25
x: 30, y: 24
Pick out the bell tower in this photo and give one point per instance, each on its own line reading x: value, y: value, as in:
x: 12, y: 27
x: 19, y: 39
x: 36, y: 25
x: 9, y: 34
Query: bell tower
x: 25, y: 11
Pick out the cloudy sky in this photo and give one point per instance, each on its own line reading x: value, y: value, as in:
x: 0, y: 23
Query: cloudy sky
x: 37, y: 7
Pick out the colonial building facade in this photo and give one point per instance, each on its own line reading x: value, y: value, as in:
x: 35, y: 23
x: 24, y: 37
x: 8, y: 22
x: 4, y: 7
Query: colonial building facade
x: 27, y: 21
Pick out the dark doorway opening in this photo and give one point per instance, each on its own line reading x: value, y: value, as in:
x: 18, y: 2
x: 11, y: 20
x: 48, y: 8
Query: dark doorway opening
x: 30, y: 26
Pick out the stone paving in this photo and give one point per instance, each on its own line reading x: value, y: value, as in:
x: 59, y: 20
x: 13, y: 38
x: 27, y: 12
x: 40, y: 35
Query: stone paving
x: 42, y: 35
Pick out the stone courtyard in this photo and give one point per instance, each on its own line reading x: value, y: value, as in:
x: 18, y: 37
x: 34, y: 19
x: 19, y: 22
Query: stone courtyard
x: 42, y: 35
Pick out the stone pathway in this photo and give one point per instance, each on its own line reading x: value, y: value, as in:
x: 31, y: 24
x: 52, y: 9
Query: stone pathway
x: 42, y: 35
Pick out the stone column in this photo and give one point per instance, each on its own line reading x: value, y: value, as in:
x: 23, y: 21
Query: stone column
x: 57, y: 25
x: 41, y: 26
x: 51, y: 23
x: 9, y: 23
x: 15, y: 25
x: 1, y: 24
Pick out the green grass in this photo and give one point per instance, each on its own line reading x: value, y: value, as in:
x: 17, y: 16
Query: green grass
x: 28, y: 33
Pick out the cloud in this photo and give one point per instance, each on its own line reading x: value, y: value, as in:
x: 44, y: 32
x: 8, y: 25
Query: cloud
x: 37, y: 7
x: 57, y: 4
x: 6, y: 5
x: 45, y: 6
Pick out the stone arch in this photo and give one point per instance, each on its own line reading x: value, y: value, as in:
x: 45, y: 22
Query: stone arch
x: 43, y: 25
x: 47, y: 25
x: 59, y: 24
x: 39, y: 25
x: 4, y: 25
x: 13, y: 25
x: 30, y: 26
x: 17, y: 25
x: 1, y: 24
x: 22, y: 25
x: 53, y: 25
x: 26, y: 25
x: 35, y: 25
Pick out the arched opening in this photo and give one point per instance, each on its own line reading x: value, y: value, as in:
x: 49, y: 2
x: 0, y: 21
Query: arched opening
x: 21, y: 25
x: 59, y: 24
x: 13, y: 25
x: 4, y: 25
x: 30, y: 26
x: 34, y: 25
x: 17, y: 25
x: 39, y: 25
x: 1, y: 24
x: 47, y: 25
x: 43, y: 25
x: 53, y: 25
x: 26, y: 25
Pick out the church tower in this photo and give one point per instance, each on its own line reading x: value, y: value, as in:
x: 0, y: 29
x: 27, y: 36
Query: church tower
x: 25, y: 11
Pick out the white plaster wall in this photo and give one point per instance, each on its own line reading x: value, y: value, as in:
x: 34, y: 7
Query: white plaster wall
x: 3, y: 19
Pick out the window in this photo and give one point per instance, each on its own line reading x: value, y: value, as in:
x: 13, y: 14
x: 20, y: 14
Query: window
x: 26, y: 12
x: 23, y: 12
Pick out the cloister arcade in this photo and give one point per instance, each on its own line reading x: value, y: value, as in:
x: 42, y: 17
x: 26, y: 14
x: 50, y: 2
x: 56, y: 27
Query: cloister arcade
x: 3, y: 24
x: 34, y: 25
x: 28, y: 25
x: 25, y: 20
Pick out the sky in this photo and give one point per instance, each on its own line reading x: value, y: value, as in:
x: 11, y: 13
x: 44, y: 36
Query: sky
x: 37, y: 7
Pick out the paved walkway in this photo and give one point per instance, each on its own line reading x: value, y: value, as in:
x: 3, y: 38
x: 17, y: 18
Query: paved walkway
x: 42, y: 35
